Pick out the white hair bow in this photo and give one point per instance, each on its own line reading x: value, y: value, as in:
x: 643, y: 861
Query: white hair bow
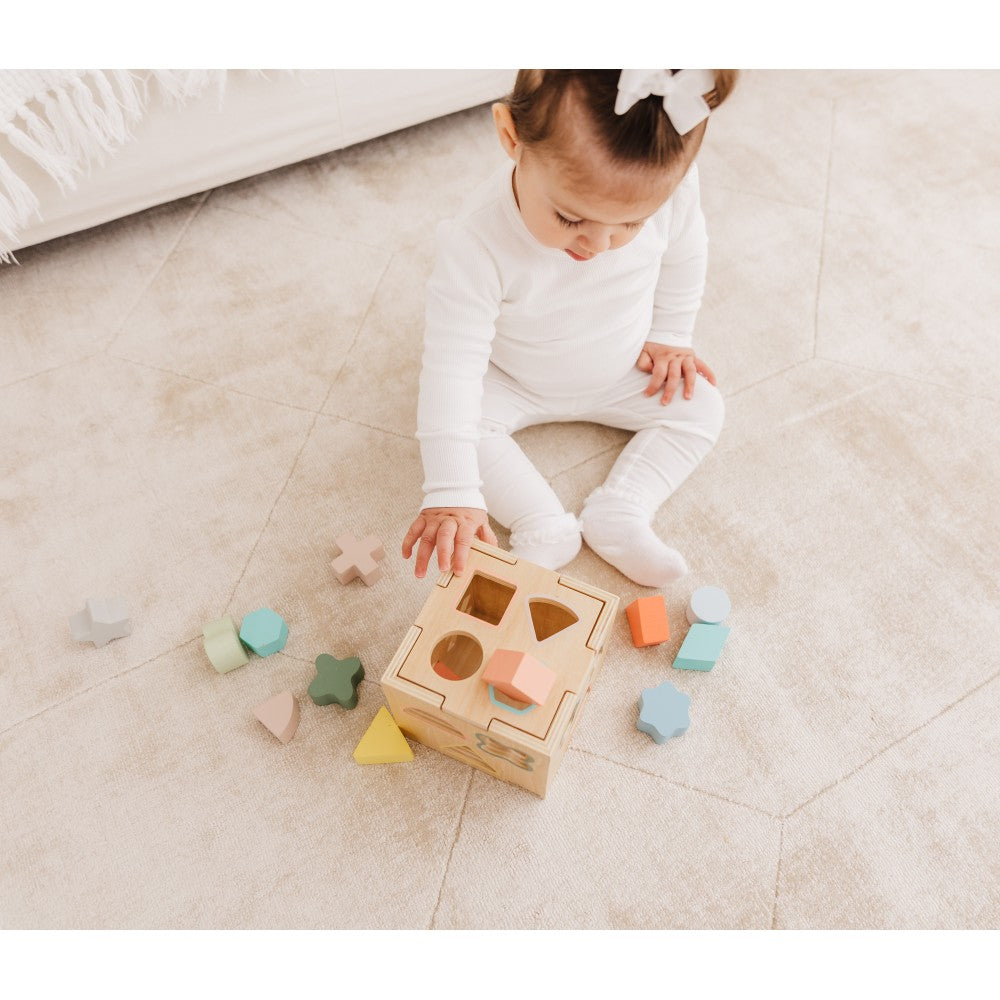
x: 681, y: 92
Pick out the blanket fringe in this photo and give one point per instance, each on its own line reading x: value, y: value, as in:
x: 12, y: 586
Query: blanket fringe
x: 79, y: 122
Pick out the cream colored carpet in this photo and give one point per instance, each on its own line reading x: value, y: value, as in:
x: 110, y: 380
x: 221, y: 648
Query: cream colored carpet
x: 198, y: 398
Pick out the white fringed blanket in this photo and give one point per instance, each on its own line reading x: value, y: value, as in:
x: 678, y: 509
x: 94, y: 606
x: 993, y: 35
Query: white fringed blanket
x: 66, y: 119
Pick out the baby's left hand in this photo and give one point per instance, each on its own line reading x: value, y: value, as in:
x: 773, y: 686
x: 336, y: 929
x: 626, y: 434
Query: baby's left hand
x: 669, y: 365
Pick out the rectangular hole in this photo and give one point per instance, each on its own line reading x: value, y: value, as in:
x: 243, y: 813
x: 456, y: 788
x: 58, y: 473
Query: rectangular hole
x: 486, y: 598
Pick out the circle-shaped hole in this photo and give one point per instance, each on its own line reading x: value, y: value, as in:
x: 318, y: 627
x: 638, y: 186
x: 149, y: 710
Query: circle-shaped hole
x: 456, y: 656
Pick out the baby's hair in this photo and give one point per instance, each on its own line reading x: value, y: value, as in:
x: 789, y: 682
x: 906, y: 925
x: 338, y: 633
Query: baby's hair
x: 643, y: 136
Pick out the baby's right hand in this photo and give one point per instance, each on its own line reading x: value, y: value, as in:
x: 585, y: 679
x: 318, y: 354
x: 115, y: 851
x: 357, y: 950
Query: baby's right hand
x: 450, y: 530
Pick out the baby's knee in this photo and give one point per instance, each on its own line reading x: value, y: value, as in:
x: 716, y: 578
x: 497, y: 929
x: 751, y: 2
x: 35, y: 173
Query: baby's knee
x: 710, y: 408
x: 702, y: 415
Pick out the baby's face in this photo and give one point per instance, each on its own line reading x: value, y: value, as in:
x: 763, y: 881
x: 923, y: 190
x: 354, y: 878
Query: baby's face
x: 588, y: 212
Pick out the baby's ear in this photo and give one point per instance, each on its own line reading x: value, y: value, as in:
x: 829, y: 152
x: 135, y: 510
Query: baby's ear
x: 506, y: 130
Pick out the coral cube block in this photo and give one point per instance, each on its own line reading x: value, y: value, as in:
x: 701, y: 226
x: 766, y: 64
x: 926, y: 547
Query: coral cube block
x: 647, y: 618
x: 519, y: 676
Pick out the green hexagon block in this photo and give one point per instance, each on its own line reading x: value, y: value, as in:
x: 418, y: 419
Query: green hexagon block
x: 264, y: 631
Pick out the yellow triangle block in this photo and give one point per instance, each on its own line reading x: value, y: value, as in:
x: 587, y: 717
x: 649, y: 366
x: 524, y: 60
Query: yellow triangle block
x: 383, y: 743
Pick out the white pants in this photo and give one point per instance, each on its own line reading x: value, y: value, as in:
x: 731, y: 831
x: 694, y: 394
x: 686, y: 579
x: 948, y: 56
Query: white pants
x: 669, y: 442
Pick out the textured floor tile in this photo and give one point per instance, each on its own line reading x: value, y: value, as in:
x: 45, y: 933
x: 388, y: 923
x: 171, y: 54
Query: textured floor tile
x: 659, y: 857
x: 758, y: 313
x: 860, y: 607
x: 910, y: 840
x: 834, y: 83
x: 896, y: 299
x: 922, y: 149
x: 266, y: 309
x: 380, y: 377
x: 117, y: 480
x: 791, y: 164
x: 390, y: 192
x: 163, y: 803
x: 67, y: 298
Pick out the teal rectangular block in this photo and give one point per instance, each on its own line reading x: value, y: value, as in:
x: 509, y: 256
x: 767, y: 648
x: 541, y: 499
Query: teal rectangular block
x: 701, y: 647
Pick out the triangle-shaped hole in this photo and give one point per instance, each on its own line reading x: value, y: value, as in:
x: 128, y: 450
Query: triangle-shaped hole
x: 549, y: 617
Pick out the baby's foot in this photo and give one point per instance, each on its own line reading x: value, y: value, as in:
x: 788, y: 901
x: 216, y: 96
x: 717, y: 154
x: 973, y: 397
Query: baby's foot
x: 621, y: 535
x: 547, y: 540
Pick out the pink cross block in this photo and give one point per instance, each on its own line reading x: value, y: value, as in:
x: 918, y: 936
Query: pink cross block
x: 358, y: 558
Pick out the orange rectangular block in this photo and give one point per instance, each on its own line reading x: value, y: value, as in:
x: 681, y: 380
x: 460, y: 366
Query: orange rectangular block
x: 647, y: 618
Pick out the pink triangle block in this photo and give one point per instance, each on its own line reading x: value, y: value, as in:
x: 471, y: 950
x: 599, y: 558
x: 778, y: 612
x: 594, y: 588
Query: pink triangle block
x: 280, y: 715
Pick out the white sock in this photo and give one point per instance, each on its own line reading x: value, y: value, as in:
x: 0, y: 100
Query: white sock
x: 549, y: 540
x: 620, y: 533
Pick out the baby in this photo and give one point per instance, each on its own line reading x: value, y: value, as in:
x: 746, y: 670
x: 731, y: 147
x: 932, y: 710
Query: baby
x: 567, y: 289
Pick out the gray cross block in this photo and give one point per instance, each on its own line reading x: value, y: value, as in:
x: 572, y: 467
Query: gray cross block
x: 101, y: 620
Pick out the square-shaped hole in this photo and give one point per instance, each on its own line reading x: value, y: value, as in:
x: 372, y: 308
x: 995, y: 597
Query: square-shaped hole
x: 486, y: 598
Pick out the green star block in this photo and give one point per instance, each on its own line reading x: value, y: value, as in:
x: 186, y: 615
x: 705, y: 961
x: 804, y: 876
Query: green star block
x: 336, y: 681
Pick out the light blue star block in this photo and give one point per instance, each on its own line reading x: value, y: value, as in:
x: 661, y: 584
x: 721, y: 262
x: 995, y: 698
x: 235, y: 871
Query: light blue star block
x: 264, y: 631
x: 701, y: 647
x: 663, y: 712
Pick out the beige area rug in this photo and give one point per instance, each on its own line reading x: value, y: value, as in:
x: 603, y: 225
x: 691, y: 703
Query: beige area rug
x: 199, y: 398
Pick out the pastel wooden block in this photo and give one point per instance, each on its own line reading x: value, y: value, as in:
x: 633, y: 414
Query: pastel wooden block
x: 708, y: 606
x: 101, y: 620
x: 435, y: 683
x: 383, y: 743
x: 336, y: 681
x: 519, y: 676
x: 647, y: 618
x: 663, y: 712
x: 443, y: 670
x: 264, y: 631
x: 223, y: 646
x: 358, y: 558
x: 701, y: 647
x: 279, y: 715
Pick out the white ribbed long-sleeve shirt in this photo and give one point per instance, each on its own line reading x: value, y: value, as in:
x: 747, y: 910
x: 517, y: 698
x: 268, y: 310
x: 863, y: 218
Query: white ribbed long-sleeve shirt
x: 560, y: 327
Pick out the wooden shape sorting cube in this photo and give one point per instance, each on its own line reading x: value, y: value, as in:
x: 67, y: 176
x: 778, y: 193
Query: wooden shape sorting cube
x: 499, y: 603
x: 701, y: 647
x: 647, y: 618
x: 519, y: 676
